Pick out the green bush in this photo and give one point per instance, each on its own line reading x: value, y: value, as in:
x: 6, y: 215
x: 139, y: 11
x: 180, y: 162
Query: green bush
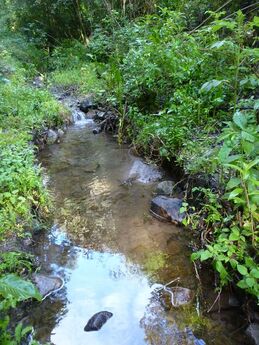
x: 21, y: 193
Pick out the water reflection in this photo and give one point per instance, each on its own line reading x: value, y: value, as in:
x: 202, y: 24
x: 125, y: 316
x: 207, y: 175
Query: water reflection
x: 103, y: 281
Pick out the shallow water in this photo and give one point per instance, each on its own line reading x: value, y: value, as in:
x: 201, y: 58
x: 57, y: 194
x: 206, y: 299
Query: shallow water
x: 111, y: 253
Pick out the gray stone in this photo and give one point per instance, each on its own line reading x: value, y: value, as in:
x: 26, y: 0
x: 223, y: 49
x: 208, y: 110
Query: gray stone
x: 165, y: 188
x: 97, y: 130
x: 38, y: 82
x: 86, y: 104
x: 60, y: 133
x: 253, y: 332
x: 144, y: 173
x: 47, y: 285
x: 100, y: 115
x: 167, y: 209
x: 97, y: 321
x: 52, y: 137
x: 179, y: 296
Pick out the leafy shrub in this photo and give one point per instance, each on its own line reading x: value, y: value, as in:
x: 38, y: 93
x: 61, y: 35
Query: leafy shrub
x: 21, y: 189
x: 13, y: 290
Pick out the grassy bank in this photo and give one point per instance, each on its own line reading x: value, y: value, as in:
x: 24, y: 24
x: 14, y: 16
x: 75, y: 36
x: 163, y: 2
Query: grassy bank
x: 24, y: 113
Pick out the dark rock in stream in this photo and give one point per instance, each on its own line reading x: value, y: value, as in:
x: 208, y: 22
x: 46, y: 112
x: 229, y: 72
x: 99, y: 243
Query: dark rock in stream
x: 86, y: 104
x: 97, y: 321
x: 167, y: 209
x: 99, y: 115
x: 97, y: 130
x: 47, y: 285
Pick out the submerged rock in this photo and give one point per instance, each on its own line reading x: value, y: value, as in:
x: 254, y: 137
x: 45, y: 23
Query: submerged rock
x: 179, y: 296
x: 191, y: 339
x: 165, y: 188
x: 144, y: 173
x: 167, y: 209
x: 47, y: 285
x: 97, y: 321
x: 60, y: 133
x: 97, y: 130
x: 52, y: 137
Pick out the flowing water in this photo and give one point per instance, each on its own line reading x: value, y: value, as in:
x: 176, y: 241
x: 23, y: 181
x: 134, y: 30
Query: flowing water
x: 111, y: 254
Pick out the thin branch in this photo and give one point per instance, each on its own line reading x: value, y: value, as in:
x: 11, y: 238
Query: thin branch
x: 205, y: 21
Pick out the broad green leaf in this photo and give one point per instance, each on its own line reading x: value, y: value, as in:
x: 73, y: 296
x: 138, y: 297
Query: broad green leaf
x: 18, y: 288
x: 233, y: 182
x: 248, y: 147
x: 209, y: 85
x: 205, y: 254
x: 234, y: 237
x: 220, y: 44
x: 242, y: 284
x: 247, y: 136
x: 242, y: 270
x: 223, y: 24
x: 255, y: 273
x: 255, y: 21
x: 195, y: 256
x: 235, y: 192
x: 224, y: 153
x: 221, y: 269
x: 250, y: 281
x: 232, y: 158
x: 240, y: 119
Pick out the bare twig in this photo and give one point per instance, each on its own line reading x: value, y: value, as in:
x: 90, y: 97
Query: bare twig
x: 216, y: 299
x: 171, y: 282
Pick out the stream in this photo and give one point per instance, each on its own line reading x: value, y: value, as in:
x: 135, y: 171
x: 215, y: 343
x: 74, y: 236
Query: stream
x: 112, y: 254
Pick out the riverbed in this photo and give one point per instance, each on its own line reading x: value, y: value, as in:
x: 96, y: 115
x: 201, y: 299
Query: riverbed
x: 113, y: 255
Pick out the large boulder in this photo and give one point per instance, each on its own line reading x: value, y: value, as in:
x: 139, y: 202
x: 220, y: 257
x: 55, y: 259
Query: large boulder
x: 167, y: 209
x: 47, y: 285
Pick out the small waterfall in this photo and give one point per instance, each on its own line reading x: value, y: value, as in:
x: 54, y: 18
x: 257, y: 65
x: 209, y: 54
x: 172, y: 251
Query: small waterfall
x: 79, y: 118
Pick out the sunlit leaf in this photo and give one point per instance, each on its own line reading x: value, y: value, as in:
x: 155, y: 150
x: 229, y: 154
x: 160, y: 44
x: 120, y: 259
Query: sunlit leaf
x: 18, y: 288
